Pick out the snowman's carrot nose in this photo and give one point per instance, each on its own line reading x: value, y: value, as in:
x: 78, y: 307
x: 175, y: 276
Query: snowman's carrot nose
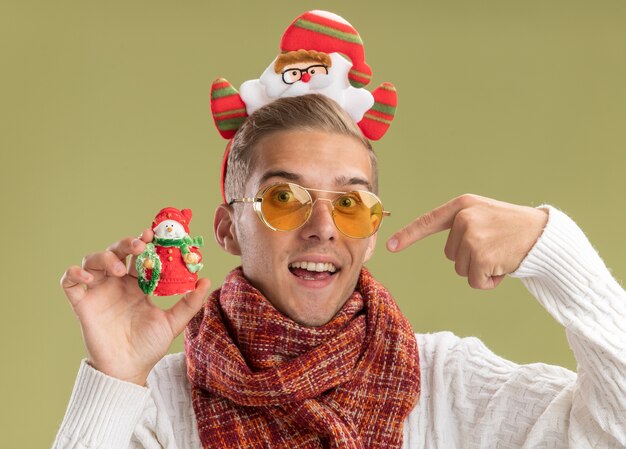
x: 169, y: 229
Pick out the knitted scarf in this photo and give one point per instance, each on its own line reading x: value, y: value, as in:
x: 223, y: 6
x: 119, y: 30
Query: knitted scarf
x: 260, y: 380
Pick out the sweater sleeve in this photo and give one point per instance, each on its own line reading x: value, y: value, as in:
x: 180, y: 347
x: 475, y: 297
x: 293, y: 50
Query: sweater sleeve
x: 474, y: 398
x: 567, y: 276
x: 107, y: 413
x: 102, y: 412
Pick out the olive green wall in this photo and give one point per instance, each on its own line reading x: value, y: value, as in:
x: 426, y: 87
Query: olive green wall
x: 105, y: 119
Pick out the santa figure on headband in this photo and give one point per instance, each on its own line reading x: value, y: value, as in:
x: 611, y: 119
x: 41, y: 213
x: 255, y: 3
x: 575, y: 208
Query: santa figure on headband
x: 320, y: 53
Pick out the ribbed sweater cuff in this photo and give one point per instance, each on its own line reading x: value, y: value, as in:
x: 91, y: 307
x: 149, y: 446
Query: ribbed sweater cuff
x: 563, y: 256
x: 568, y: 277
x: 103, y: 411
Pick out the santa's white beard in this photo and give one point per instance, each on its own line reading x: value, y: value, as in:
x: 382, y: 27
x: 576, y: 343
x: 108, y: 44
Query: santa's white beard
x: 294, y: 90
x: 257, y: 93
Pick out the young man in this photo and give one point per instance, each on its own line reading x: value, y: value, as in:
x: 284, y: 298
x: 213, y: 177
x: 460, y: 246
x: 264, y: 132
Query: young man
x: 302, y: 348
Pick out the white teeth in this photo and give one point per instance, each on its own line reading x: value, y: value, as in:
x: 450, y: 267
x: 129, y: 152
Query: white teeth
x: 312, y: 266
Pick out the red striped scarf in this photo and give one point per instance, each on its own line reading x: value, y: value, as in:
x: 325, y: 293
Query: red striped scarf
x: 260, y: 380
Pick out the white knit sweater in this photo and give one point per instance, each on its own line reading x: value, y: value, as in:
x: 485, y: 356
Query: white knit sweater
x: 471, y: 398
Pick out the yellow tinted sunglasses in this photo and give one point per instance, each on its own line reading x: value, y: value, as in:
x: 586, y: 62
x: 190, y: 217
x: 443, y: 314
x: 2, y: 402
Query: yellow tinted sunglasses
x: 286, y: 206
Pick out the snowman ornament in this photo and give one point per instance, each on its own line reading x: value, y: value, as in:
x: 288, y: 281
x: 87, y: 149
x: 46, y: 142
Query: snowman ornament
x: 170, y: 263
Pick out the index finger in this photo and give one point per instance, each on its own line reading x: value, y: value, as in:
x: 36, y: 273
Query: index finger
x: 429, y: 223
x: 131, y: 246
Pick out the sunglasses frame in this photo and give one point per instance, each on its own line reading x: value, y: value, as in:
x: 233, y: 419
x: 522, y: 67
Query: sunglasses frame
x: 258, y: 200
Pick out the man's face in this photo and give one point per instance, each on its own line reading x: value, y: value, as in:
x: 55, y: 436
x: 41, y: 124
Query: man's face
x: 318, y: 160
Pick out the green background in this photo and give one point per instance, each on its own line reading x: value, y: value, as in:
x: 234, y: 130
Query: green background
x: 105, y: 120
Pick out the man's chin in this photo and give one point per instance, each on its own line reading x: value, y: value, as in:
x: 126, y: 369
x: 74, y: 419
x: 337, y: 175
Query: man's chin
x: 316, y: 319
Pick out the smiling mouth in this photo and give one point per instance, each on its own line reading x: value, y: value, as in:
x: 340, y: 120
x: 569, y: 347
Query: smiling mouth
x: 312, y: 271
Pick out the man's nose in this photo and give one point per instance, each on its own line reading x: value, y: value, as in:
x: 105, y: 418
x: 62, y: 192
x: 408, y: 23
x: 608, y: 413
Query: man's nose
x: 305, y: 77
x: 320, y: 224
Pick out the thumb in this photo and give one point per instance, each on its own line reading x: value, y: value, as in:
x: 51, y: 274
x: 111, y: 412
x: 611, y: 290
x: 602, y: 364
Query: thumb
x: 186, y: 308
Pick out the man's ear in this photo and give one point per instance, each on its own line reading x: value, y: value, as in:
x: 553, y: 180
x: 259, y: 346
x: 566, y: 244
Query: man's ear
x: 224, y: 229
x: 371, y: 245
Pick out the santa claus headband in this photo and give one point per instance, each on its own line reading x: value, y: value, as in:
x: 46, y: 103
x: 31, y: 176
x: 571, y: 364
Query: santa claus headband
x: 320, y: 52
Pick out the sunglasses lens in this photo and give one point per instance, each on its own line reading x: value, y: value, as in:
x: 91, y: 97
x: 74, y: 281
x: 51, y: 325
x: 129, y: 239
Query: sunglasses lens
x: 286, y: 206
x: 358, y: 214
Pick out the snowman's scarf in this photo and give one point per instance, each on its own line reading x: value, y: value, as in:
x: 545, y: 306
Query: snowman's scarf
x: 260, y: 380
x: 183, y: 244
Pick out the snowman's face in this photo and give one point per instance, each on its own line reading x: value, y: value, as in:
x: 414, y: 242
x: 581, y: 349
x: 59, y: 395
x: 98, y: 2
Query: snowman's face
x: 170, y: 229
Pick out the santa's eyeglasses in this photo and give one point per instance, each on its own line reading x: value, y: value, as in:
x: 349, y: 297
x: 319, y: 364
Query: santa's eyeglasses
x: 285, y: 206
x: 294, y: 74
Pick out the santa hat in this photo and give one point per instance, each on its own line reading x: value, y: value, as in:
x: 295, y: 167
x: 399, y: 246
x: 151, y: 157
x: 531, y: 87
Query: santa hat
x: 329, y: 33
x: 171, y: 213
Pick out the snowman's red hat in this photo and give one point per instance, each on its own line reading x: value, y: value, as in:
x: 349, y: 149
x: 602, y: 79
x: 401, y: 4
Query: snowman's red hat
x: 329, y: 33
x: 171, y: 213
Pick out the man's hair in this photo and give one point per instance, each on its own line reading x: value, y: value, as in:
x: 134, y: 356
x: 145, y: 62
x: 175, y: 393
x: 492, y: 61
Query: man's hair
x: 313, y: 112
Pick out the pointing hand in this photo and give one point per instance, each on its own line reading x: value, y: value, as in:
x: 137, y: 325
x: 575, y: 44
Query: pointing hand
x: 488, y: 239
